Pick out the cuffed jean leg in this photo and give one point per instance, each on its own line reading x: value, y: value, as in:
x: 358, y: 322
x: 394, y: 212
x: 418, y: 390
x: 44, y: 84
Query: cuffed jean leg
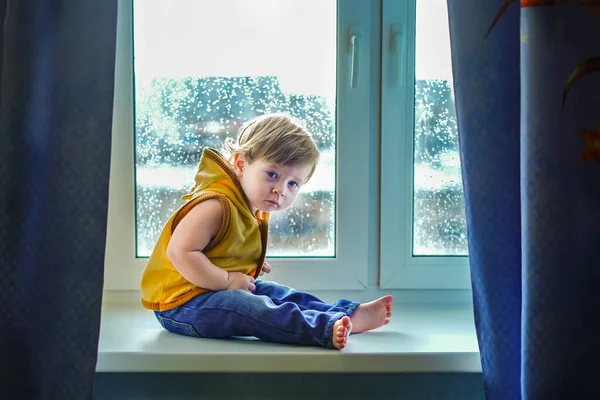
x: 240, y: 313
x: 306, y: 301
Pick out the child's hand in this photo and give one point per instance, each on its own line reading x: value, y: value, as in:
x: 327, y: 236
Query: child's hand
x: 265, y: 269
x: 237, y: 280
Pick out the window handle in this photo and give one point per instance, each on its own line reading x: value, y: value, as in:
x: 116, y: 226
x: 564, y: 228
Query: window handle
x: 397, y: 66
x: 353, y: 49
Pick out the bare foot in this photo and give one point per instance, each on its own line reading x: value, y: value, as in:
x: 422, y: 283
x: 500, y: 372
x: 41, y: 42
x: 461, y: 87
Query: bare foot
x: 341, y: 331
x: 372, y: 315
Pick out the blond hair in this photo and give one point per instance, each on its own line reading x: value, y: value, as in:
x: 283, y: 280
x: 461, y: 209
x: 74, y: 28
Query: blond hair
x: 278, y: 139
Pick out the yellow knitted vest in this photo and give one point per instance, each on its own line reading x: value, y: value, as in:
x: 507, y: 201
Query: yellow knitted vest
x: 240, y: 245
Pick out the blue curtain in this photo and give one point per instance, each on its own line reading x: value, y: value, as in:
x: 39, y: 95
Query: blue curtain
x: 56, y: 97
x: 527, y: 85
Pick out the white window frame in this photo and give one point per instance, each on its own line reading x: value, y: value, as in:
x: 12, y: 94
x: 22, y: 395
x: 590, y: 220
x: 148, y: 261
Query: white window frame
x: 356, y: 127
x: 399, y: 269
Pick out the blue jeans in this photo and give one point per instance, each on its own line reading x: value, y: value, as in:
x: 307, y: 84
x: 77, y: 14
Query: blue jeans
x: 272, y: 312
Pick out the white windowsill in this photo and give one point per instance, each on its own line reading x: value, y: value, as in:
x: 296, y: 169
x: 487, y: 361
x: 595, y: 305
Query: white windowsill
x: 420, y: 338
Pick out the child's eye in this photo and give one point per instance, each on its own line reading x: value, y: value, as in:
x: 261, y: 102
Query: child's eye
x: 272, y: 175
x: 293, y: 184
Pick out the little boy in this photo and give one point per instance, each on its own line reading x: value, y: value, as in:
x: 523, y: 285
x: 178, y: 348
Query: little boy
x: 200, y: 278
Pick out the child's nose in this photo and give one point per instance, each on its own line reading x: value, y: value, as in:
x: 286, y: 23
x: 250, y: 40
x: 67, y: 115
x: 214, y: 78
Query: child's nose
x: 279, y: 190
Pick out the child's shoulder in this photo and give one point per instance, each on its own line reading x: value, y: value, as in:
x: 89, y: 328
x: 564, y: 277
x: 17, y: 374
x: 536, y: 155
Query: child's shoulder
x: 202, y: 208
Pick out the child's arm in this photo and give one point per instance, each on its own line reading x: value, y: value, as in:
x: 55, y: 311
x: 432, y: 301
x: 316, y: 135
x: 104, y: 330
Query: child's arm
x: 191, y: 236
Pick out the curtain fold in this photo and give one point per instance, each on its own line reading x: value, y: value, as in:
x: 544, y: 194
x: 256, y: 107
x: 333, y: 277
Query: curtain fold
x: 527, y: 85
x: 56, y: 98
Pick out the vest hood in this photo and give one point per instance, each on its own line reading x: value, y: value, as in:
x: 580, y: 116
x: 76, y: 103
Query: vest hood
x: 215, y: 174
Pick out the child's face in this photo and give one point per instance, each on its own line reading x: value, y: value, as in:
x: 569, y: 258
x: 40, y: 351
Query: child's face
x: 269, y: 187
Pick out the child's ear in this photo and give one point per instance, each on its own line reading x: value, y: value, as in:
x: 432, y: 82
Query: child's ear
x: 239, y: 165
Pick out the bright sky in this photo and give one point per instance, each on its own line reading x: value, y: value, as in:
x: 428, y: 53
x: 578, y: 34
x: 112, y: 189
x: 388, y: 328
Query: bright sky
x: 292, y: 39
x: 433, y: 40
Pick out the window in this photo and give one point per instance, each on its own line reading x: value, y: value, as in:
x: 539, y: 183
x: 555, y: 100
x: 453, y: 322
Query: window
x: 204, y: 67
x: 345, y: 68
x: 423, y: 234
x: 196, y: 83
x: 439, y: 225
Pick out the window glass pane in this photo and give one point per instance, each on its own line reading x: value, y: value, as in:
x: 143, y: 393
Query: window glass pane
x: 202, y: 68
x: 439, y: 225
